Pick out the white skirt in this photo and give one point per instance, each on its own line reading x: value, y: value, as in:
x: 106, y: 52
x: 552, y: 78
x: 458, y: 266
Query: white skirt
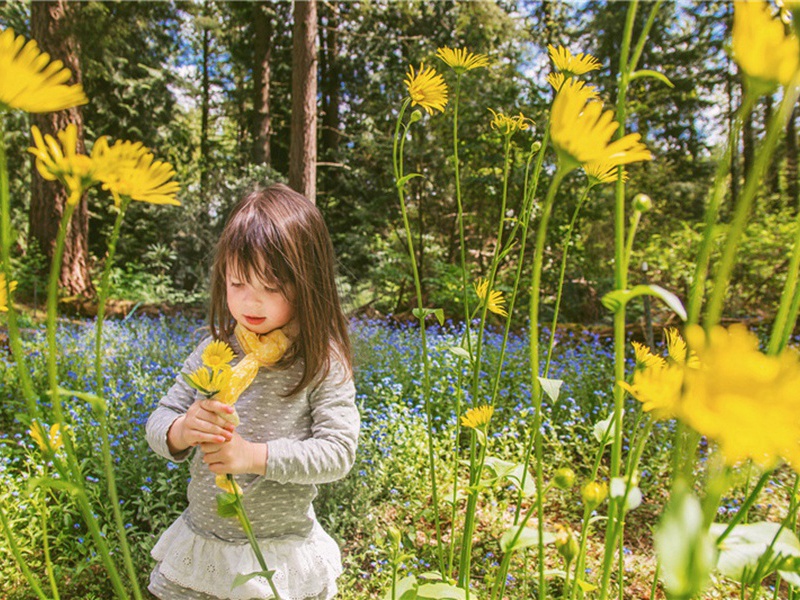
x: 305, y: 566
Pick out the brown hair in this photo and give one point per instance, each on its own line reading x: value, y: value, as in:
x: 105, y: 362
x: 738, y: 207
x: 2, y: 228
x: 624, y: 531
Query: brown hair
x: 281, y: 236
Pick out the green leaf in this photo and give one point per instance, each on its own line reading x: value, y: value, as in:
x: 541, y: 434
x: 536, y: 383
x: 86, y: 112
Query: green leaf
x: 604, y: 430
x: 422, y: 313
x: 641, y: 73
x: 741, y: 551
x: 511, y: 471
x: 616, y: 300
x: 243, y: 578
x: 528, y: 537
x: 226, y: 505
x: 96, y: 402
x: 441, y: 590
x: 585, y: 585
x: 401, y: 183
x: 460, y: 352
x: 406, y: 589
x: 551, y: 387
x: 54, y: 484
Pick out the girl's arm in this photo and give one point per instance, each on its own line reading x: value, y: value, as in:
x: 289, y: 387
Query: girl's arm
x: 329, y: 454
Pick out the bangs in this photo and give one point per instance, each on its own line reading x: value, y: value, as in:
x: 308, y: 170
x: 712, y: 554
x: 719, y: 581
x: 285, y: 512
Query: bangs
x: 256, y: 251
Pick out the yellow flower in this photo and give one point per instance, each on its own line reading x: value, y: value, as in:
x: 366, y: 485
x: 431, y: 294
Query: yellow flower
x: 30, y: 82
x: 509, y: 125
x: 227, y: 485
x: 761, y: 47
x: 556, y: 79
x: 645, y: 358
x: 676, y: 348
x: 4, y: 291
x: 495, y: 301
x: 594, y: 493
x: 478, y: 417
x: 572, y: 65
x: 38, y: 434
x: 582, y: 132
x: 602, y: 172
x: 209, y: 382
x: 426, y: 88
x: 744, y: 400
x: 217, y: 354
x: 460, y: 60
x: 60, y: 160
x: 128, y: 169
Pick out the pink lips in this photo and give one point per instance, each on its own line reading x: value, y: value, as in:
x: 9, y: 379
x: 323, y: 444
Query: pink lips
x: 254, y: 320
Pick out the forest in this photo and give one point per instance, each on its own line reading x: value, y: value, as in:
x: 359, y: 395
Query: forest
x: 567, y: 245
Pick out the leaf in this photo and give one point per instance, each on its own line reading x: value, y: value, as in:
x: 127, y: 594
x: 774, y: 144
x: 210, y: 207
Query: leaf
x: 586, y: 586
x: 226, y: 505
x: 528, y: 537
x: 441, y: 590
x: 641, y: 73
x: 96, y: 402
x: 616, y: 300
x: 741, y: 551
x: 511, y: 471
x: 405, y: 589
x: 604, y: 430
x: 422, y: 313
x: 243, y: 578
x: 54, y: 484
x: 401, y: 183
x: 460, y: 352
x: 551, y: 387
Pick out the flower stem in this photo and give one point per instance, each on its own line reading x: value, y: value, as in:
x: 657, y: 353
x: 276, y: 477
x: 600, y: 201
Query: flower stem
x: 108, y: 463
x: 42, y: 505
x: 397, y: 159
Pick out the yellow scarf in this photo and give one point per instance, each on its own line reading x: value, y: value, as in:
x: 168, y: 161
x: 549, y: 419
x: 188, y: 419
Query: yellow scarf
x: 260, y: 351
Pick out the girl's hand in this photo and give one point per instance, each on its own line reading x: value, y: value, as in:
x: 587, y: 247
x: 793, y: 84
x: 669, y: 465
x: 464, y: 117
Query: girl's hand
x: 202, y: 423
x: 235, y: 457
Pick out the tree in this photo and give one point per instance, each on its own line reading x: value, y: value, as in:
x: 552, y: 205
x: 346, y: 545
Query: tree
x: 262, y: 56
x: 51, y: 28
x: 303, y: 145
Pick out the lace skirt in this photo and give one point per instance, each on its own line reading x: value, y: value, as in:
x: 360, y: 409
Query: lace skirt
x: 191, y: 566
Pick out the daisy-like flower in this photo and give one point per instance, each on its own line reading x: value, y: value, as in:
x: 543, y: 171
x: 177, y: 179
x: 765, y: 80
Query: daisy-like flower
x: 460, y: 60
x: 478, y: 417
x: 427, y: 88
x: 37, y: 432
x: 761, y: 47
x: 29, y: 81
x: 494, y: 299
x: 556, y: 79
x: 677, y: 351
x: 4, y: 291
x: 510, y: 125
x: 581, y: 131
x: 744, y: 400
x: 217, y: 354
x: 572, y: 65
x: 601, y: 172
x: 209, y: 382
x: 645, y: 358
x: 59, y: 160
x: 128, y: 170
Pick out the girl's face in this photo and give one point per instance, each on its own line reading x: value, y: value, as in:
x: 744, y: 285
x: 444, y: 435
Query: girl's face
x: 256, y: 305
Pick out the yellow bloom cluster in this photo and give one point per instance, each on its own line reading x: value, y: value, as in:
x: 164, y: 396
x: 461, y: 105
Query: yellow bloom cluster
x: 510, y: 125
x: 728, y: 390
x: 765, y: 52
x: 215, y: 374
x: 478, y: 417
x: 571, y: 65
x: 30, y: 82
x: 460, y: 60
x: 581, y: 131
x: 494, y: 299
x: 125, y: 169
x: 427, y: 88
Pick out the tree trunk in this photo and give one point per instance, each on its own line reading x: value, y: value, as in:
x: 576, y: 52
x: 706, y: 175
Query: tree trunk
x: 329, y: 75
x: 50, y: 28
x: 303, y: 144
x: 262, y: 117
x: 205, y: 108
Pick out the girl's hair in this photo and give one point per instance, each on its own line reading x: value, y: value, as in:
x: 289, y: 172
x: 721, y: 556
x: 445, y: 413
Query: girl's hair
x: 281, y: 236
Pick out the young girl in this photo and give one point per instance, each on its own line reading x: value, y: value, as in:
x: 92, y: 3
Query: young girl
x: 273, y: 270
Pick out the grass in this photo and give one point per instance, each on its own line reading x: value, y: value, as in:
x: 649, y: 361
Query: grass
x: 388, y: 485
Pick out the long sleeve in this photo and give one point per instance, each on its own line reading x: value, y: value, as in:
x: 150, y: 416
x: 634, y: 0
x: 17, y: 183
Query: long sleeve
x: 329, y: 453
x: 175, y: 403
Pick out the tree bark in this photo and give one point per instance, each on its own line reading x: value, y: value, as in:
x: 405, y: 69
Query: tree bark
x: 50, y: 28
x: 303, y: 145
x: 262, y: 57
x: 205, y: 109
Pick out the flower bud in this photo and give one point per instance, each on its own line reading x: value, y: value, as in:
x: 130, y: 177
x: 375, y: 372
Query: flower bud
x: 566, y: 544
x: 415, y: 116
x: 536, y: 146
x: 642, y: 203
x: 564, y: 478
x: 394, y: 536
x: 593, y: 494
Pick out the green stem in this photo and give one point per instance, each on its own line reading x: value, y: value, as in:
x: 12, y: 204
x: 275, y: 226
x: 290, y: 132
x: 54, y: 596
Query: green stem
x: 42, y: 505
x: 23, y: 564
x: 712, y: 211
x: 397, y: 159
x: 108, y: 463
x: 248, y: 531
x: 742, y: 212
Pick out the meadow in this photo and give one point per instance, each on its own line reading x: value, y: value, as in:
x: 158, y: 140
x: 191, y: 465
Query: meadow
x: 386, y: 487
